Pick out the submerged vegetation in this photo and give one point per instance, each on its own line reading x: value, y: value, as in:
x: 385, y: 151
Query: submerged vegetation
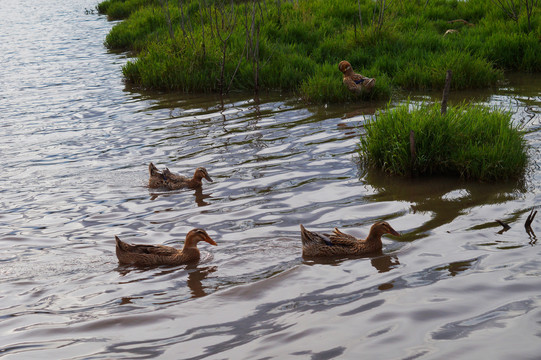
x: 473, y: 142
x: 296, y: 45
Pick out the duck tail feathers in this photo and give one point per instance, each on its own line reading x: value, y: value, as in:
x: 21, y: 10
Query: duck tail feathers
x: 312, y: 238
x: 120, y: 244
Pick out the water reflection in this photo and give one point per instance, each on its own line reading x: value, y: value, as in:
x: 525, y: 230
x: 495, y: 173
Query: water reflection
x: 532, y: 237
x: 85, y: 136
x: 196, y: 275
x: 385, y: 263
x: 200, y: 197
x: 457, y: 267
x: 444, y: 198
x: 382, y: 263
x: 194, y: 280
x: 198, y: 193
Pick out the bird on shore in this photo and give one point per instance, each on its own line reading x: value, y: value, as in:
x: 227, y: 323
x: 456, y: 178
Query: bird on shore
x: 155, y: 255
x: 166, y: 179
x: 356, y: 83
x: 341, y: 244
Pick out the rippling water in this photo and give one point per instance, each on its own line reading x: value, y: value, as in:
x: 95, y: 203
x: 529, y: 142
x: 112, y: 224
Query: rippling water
x: 75, y: 145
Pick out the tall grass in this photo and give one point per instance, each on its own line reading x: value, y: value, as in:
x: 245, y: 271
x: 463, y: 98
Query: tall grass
x: 472, y: 142
x: 300, y: 43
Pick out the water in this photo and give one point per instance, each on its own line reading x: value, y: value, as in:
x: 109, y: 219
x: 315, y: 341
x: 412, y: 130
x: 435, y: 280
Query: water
x: 76, y: 143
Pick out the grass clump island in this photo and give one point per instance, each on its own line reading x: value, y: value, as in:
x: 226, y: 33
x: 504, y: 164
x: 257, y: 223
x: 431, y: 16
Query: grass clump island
x: 469, y: 141
x: 296, y: 45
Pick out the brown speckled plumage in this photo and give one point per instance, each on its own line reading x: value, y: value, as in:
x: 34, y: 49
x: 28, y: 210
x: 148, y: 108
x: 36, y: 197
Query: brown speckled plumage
x: 356, y: 83
x: 154, y: 255
x: 166, y: 179
x: 341, y: 244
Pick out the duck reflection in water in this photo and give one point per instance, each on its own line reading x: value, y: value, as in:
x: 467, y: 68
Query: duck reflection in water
x: 198, y: 194
x: 381, y: 262
x: 196, y: 275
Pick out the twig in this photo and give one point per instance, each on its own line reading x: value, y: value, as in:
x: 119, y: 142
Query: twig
x: 462, y: 21
x: 446, y: 88
x: 360, y: 15
x: 505, y: 225
x: 412, y: 149
x: 529, y: 220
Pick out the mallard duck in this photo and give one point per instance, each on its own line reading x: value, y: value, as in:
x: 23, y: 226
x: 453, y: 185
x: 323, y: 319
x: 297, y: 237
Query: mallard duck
x: 356, y: 83
x: 166, y: 179
x: 154, y: 255
x: 340, y: 244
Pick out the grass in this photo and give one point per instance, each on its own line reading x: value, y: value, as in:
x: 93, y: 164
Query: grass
x: 300, y: 43
x: 117, y: 10
x: 472, y: 142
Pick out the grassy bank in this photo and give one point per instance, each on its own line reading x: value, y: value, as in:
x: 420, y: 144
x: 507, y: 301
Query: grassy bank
x: 472, y: 142
x: 207, y: 46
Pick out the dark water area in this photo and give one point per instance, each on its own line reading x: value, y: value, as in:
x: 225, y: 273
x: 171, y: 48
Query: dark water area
x: 76, y: 142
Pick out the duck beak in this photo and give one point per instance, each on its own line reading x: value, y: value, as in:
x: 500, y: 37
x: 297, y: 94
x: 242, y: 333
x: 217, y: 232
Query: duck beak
x: 393, y: 232
x: 207, y: 177
x: 210, y: 241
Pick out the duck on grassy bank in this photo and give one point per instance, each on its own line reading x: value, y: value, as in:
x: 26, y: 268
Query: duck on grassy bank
x: 155, y: 255
x: 355, y: 83
x: 341, y: 244
x: 166, y: 179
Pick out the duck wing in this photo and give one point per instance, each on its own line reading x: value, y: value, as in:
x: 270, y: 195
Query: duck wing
x: 169, y: 176
x: 343, y: 239
x: 175, y: 181
x: 159, y: 250
x: 357, y: 78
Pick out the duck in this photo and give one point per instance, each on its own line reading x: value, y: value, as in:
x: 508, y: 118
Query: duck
x: 341, y: 244
x: 156, y: 255
x: 166, y: 179
x: 356, y: 83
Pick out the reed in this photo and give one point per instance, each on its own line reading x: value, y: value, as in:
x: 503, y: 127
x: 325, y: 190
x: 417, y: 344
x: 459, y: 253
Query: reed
x: 471, y: 142
x: 297, y: 45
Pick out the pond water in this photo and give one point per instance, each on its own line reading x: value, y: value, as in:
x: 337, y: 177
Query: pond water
x: 76, y: 143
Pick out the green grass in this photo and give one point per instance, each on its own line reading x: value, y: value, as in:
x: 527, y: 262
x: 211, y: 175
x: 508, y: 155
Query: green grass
x: 302, y: 42
x: 117, y: 10
x: 471, y: 142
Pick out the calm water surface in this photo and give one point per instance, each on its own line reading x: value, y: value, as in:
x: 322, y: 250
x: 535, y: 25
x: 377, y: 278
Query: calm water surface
x: 75, y: 145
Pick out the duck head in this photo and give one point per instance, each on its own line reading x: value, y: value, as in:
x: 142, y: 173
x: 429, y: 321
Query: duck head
x: 345, y: 67
x: 197, y: 235
x: 382, y: 227
x: 201, y: 173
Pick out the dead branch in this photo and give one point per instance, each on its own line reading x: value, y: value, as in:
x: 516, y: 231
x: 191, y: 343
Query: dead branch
x: 505, y: 225
x: 529, y: 220
x: 462, y: 21
x: 446, y: 88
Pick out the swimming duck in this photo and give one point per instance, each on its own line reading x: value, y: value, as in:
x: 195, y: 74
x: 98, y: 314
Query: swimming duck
x: 340, y: 244
x: 154, y: 255
x: 356, y: 83
x: 166, y: 179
